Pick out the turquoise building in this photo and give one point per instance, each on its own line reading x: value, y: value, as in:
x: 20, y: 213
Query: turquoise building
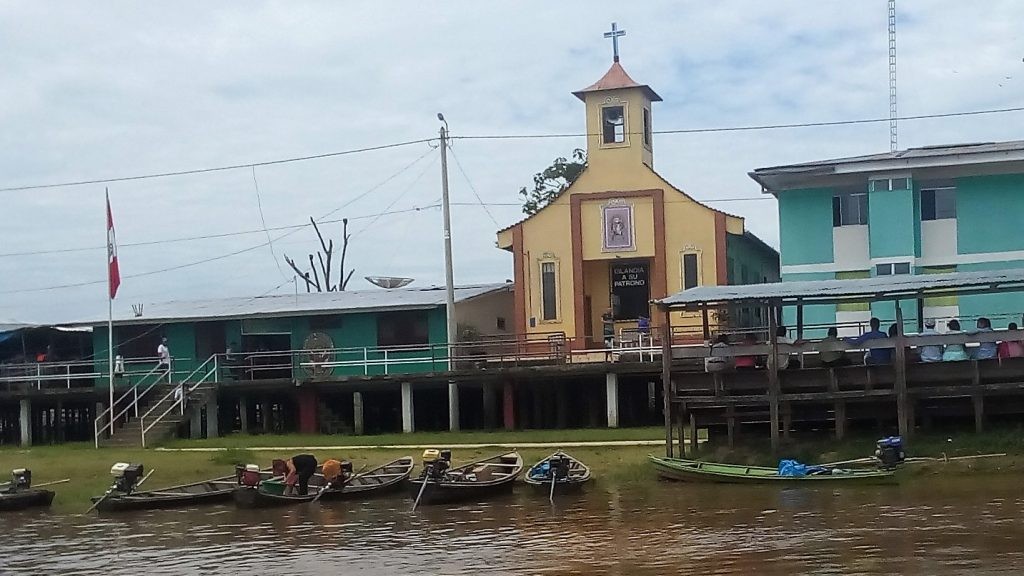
x: 926, y: 210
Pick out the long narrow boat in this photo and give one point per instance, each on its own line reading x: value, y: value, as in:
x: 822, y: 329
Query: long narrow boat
x: 184, y: 495
x: 474, y: 481
x: 569, y: 473
x: 383, y: 479
x: 696, y: 471
x: 25, y: 498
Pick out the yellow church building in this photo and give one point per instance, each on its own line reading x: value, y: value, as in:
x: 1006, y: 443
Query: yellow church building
x: 621, y: 235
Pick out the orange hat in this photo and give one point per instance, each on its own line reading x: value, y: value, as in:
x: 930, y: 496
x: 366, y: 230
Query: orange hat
x: 332, y: 469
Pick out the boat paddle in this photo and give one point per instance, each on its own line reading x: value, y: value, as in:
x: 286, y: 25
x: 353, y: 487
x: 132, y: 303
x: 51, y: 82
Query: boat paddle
x: 52, y: 482
x: 426, y: 478
x: 329, y: 485
x: 551, y: 496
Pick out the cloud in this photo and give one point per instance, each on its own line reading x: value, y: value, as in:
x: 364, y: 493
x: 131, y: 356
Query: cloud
x: 99, y: 90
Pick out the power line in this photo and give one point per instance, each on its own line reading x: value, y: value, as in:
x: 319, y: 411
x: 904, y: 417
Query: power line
x: 471, y: 187
x: 270, y: 241
x: 749, y: 127
x: 510, y: 137
x: 218, y: 168
x: 230, y: 254
x: 211, y: 236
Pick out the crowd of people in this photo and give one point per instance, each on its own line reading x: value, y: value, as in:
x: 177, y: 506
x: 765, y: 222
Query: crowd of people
x: 833, y: 350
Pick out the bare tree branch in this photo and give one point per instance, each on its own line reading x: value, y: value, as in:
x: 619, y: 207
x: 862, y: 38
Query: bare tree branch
x: 344, y: 250
x: 316, y: 277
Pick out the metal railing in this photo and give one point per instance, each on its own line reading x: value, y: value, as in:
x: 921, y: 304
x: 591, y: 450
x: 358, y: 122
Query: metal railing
x: 106, y: 420
x: 180, y: 394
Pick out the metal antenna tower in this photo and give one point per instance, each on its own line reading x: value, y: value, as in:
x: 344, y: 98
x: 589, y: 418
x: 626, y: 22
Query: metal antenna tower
x: 892, y: 76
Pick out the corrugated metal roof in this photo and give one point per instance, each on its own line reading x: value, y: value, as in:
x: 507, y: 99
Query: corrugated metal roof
x: 614, y: 79
x: 879, y: 287
x: 295, y: 305
x: 909, y: 153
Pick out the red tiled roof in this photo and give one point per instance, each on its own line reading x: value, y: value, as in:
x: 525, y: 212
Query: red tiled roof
x: 614, y: 79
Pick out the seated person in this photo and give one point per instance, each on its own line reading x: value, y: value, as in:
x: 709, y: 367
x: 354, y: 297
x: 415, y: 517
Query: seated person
x: 715, y: 363
x: 748, y: 362
x: 832, y: 358
x: 954, y: 352
x: 931, y: 353
x: 784, y: 359
x: 985, y: 350
x: 875, y: 355
x: 1011, y: 348
x: 332, y: 473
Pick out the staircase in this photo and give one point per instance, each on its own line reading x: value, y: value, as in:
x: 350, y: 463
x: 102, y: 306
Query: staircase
x: 160, y: 413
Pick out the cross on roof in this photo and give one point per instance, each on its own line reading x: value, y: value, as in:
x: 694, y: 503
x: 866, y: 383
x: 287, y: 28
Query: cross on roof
x: 614, y: 35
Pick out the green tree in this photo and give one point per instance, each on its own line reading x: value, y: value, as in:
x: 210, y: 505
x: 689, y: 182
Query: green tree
x: 552, y: 181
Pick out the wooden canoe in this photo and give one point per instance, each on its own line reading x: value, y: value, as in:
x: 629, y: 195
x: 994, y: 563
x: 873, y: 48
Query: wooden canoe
x: 383, y: 479
x: 696, y: 471
x: 474, y: 481
x: 26, y: 498
x: 184, y: 495
x: 579, y: 474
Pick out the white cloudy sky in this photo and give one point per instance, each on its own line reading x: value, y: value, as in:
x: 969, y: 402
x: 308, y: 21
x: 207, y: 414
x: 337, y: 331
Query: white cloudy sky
x: 106, y: 89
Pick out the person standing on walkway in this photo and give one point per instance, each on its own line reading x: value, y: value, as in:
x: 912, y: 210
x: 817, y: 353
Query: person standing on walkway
x: 163, y: 354
x: 608, y: 328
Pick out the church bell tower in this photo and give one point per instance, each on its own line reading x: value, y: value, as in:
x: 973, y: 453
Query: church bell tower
x: 619, y: 120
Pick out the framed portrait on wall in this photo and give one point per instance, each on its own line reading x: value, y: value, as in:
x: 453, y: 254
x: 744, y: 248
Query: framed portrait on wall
x: 617, y: 223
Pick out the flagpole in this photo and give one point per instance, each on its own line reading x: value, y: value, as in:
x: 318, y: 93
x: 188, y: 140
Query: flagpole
x: 110, y: 321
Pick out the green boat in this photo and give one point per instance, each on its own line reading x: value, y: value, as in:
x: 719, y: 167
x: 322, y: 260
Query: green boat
x: 696, y: 471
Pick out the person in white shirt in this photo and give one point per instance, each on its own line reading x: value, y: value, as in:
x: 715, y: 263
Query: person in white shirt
x: 782, y: 357
x: 930, y: 353
x: 163, y: 354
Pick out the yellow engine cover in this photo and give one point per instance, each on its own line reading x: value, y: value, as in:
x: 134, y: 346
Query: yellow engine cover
x: 430, y: 455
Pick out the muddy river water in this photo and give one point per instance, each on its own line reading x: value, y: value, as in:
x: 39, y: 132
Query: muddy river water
x: 927, y: 525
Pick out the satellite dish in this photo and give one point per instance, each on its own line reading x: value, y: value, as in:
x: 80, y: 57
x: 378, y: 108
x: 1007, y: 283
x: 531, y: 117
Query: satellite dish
x: 388, y: 281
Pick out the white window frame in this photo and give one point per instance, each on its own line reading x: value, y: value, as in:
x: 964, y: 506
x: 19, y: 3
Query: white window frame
x: 625, y: 123
x: 682, y: 267
x: 936, y: 189
x: 891, y: 268
x: 867, y: 208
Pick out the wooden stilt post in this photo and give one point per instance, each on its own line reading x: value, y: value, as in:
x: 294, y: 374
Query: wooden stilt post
x: 730, y: 425
x: 901, y: 375
x: 666, y: 377
x: 693, y: 435
x: 706, y: 322
x: 977, y: 399
x: 787, y: 419
x: 681, y: 425
x: 773, y: 376
x: 839, y: 406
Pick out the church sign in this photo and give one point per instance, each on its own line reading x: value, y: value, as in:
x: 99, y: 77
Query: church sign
x: 617, y: 224
x: 630, y: 289
x: 629, y: 275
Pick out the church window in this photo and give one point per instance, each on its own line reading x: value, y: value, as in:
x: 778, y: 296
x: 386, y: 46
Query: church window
x: 549, y: 291
x: 613, y: 122
x: 647, y: 128
x: 691, y: 270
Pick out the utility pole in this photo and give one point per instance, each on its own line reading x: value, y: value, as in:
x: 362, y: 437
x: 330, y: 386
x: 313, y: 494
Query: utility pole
x: 453, y: 388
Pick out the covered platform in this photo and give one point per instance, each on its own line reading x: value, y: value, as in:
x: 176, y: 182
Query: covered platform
x: 902, y: 393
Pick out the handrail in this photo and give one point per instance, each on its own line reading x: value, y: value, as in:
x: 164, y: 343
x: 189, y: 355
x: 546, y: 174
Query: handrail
x: 134, y: 391
x: 180, y: 400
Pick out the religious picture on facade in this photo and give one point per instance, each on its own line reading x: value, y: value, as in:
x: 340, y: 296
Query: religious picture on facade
x: 618, y: 227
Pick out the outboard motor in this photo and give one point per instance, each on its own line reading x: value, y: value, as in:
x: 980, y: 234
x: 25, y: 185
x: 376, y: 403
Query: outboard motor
x: 249, y: 475
x: 21, y: 479
x: 889, y: 452
x: 559, y: 466
x: 346, y: 469
x: 126, y: 476
x: 435, y: 463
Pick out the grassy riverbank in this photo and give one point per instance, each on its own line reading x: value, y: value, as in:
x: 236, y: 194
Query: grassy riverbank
x: 88, y: 468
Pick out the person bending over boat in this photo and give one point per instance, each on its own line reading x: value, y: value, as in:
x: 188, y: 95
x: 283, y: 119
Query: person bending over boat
x: 298, y: 470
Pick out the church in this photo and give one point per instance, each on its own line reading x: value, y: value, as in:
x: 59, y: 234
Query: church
x: 621, y: 235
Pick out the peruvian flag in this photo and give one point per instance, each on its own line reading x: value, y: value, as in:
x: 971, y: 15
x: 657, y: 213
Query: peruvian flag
x: 113, y: 273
